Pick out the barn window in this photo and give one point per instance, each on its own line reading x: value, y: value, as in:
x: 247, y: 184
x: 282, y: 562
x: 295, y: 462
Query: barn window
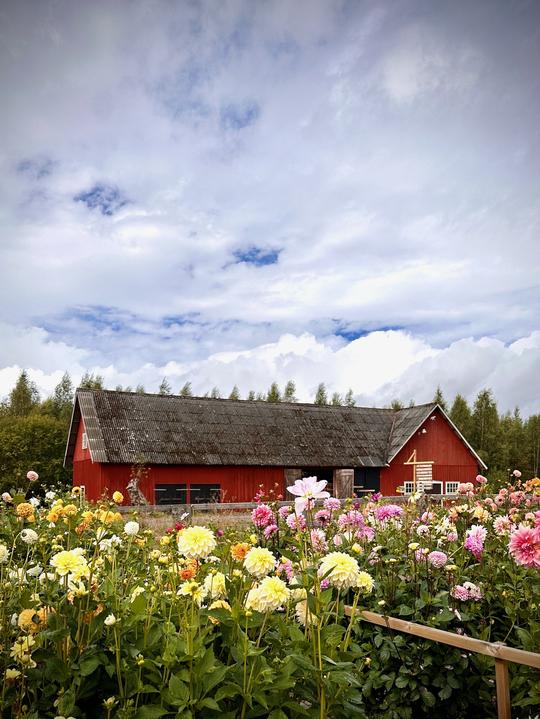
x: 366, y: 479
x: 84, y: 440
x: 408, y: 487
x: 451, y: 487
x: 203, y: 493
x: 171, y: 494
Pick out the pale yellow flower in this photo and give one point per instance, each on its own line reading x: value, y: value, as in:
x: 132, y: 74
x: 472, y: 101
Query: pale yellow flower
x: 214, y: 585
x: 70, y: 562
x: 365, y: 582
x: 118, y: 497
x: 4, y: 553
x: 259, y: 561
x: 196, y: 542
x: 218, y: 604
x: 192, y: 589
x: 340, y: 569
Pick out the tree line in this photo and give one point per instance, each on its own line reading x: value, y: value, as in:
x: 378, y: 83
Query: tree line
x: 34, y: 431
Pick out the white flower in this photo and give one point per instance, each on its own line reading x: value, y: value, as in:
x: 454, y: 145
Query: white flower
x: 29, y: 536
x: 6, y: 496
x: 110, y: 620
x: 34, y: 571
x: 50, y: 495
x: 35, y: 502
x: 4, y: 553
x: 131, y: 528
x: 307, y: 490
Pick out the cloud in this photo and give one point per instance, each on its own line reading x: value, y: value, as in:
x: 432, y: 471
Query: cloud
x: 379, y: 367
x: 367, y: 168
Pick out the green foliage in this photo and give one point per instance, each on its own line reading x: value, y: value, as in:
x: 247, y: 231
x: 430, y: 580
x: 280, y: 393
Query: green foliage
x: 24, y: 397
x: 273, y: 394
x: 289, y: 393
x: 186, y: 390
x: 321, y: 396
x: 336, y: 400
x: 461, y: 416
x: 349, y: 398
x: 165, y: 387
x: 34, y: 442
x: 91, y: 381
x: 235, y: 393
x: 438, y: 398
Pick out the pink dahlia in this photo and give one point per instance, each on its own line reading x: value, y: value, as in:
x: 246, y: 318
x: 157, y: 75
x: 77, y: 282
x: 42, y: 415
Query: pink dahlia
x: 323, y: 517
x: 262, y: 516
x: 270, y: 531
x: 353, y: 519
x: 284, y: 512
x: 296, y: 522
x: 524, y: 546
x: 332, y: 504
x: 475, y: 539
x: 318, y: 541
x: 388, y: 511
x: 437, y: 559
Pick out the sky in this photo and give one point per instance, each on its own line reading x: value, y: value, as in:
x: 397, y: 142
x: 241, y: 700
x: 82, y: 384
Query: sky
x: 241, y: 192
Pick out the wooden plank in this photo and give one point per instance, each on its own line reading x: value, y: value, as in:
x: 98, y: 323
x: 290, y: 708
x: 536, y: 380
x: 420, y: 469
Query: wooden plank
x: 489, y: 649
x: 503, y: 689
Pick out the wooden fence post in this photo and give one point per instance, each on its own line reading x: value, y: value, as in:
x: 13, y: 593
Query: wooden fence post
x: 502, y: 685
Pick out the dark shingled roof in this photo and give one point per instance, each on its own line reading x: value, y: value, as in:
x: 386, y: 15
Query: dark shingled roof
x: 127, y: 427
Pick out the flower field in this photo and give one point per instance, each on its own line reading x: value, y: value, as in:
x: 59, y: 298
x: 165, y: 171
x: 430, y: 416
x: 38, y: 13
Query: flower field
x: 99, y: 618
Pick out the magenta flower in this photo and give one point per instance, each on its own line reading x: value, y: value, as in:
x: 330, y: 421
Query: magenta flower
x: 524, y: 546
x: 475, y: 539
x: 388, y: 511
x: 270, y: 530
x: 332, y: 504
x: 480, y: 479
x: 262, y: 516
x: 323, y: 517
x: 353, y: 519
x: 284, y: 512
x: 307, y: 490
x: 466, y: 591
x: 296, y: 522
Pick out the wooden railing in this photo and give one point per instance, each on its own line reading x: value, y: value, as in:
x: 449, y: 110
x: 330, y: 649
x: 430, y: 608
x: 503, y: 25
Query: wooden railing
x: 499, y: 652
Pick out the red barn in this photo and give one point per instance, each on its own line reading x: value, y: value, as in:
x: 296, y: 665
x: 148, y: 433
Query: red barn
x: 198, y: 450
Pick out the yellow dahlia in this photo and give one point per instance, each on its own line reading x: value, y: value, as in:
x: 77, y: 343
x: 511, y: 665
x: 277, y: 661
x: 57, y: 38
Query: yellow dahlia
x: 69, y: 562
x: 196, y: 542
x: 259, y: 561
x: 340, y: 569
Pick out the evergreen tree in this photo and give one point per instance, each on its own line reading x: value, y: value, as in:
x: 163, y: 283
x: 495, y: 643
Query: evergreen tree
x: 532, y: 445
x: 349, y: 398
x: 273, y: 394
x: 439, y: 399
x: 165, y: 387
x: 396, y: 405
x: 251, y: 395
x: 186, y: 390
x: 461, y: 416
x: 485, y: 434
x: 139, y: 389
x: 321, y: 396
x: 336, y: 400
x: 260, y: 397
x: 289, y: 393
x: 215, y: 393
x: 24, y: 397
x: 91, y: 381
x: 128, y: 389
x: 235, y: 393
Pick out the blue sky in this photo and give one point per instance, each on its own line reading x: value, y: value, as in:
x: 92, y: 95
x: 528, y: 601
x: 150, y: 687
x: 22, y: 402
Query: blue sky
x: 238, y: 192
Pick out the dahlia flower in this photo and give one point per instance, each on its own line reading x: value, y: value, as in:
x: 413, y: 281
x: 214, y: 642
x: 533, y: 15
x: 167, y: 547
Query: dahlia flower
x: 307, y: 490
x: 340, y: 569
x: 196, y: 542
x: 524, y: 546
x: 259, y: 561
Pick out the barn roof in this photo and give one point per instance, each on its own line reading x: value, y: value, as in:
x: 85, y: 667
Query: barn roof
x: 127, y: 427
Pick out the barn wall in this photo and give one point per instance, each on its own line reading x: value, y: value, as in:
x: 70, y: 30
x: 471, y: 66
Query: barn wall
x: 86, y: 472
x: 453, y: 461
x: 238, y: 484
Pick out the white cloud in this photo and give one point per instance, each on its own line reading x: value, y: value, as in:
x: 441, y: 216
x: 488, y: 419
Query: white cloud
x: 379, y: 367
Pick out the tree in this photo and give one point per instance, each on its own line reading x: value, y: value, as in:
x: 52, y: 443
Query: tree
x: 396, y: 405
x: 62, y: 398
x: 349, y: 399
x: 461, y: 416
x: 273, y: 394
x: 24, y: 397
x: 532, y: 443
x: 289, y: 393
x: 165, y: 387
x: 235, y: 393
x: 251, y: 395
x: 215, y: 393
x: 186, y: 390
x: 139, y: 389
x: 485, y: 435
x: 321, y: 396
x: 336, y: 400
x: 439, y: 399
x: 91, y: 381
x: 260, y: 397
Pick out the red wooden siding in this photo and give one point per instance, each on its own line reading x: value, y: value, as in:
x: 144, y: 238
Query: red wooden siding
x: 453, y: 460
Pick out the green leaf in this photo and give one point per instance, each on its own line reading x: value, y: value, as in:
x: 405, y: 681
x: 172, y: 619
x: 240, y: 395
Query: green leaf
x: 150, y: 712
x: 208, y: 703
x: 405, y: 610
x: 88, y: 665
x: 178, y: 690
x: 401, y: 682
x: 427, y: 697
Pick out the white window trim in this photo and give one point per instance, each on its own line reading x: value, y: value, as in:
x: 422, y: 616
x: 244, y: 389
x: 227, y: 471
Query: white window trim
x: 449, y: 489
x: 84, y: 440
